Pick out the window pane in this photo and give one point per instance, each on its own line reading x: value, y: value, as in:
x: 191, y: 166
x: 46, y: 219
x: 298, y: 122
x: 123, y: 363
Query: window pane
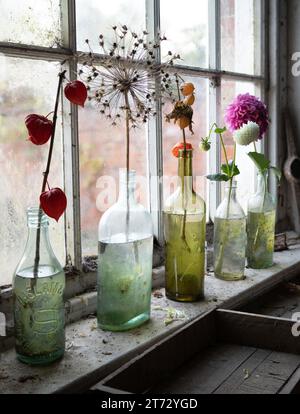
x: 240, y: 32
x: 172, y: 135
x: 97, y: 17
x: 246, y: 181
x: 26, y: 87
x: 31, y: 22
x: 185, y: 24
x: 102, y: 153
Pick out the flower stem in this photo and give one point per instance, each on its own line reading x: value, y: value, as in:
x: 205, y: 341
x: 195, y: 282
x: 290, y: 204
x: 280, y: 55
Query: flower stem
x: 183, y: 229
x: 45, y: 180
x: 127, y: 161
x: 220, y: 259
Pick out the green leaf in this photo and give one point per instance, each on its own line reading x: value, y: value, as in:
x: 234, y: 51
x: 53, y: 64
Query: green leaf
x: 220, y: 130
x: 218, y: 177
x: 277, y: 172
x: 235, y: 171
x: 261, y: 162
x: 225, y: 169
x: 231, y: 170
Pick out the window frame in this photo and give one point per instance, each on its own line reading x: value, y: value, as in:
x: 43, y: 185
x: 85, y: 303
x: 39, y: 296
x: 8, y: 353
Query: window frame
x: 214, y: 74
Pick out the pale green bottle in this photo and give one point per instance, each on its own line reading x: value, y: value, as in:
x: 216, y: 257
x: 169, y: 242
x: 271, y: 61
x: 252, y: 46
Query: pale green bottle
x: 261, y: 226
x: 39, y: 297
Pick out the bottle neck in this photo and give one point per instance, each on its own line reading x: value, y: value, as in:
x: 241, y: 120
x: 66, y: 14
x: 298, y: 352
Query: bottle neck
x: 231, y: 191
x: 127, y: 184
x: 38, y: 226
x: 262, y: 183
x: 185, y: 173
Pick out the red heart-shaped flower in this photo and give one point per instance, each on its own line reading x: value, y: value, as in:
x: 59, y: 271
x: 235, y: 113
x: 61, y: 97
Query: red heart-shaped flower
x: 39, y: 128
x: 180, y: 146
x: 76, y: 93
x: 54, y: 203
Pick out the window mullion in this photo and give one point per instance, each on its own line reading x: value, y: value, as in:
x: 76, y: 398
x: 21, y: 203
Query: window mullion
x: 214, y: 188
x: 71, y: 143
x: 155, y: 150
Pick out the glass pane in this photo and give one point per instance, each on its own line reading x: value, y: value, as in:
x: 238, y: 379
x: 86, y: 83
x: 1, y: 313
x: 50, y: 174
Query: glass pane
x: 26, y: 86
x: 31, y: 22
x: 172, y: 135
x: 240, y: 35
x: 97, y: 17
x: 246, y: 181
x: 185, y: 24
x: 102, y: 153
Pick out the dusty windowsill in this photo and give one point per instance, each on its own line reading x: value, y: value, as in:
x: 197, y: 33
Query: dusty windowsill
x: 92, y: 354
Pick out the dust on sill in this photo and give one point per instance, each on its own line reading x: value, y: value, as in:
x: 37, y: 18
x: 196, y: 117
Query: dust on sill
x: 91, y: 354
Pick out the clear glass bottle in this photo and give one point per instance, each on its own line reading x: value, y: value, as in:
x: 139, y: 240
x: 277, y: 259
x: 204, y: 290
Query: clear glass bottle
x: 230, y: 237
x: 185, y: 231
x: 125, y: 261
x: 261, y: 226
x: 38, y: 289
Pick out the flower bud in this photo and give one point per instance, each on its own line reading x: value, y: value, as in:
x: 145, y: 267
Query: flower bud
x: 247, y: 134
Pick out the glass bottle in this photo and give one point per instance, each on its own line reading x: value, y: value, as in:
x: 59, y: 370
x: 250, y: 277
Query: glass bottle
x: 230, y: 237
x: 38, y: 289
x: 125, y: 261
x: 185, y: 231
x: 261, y: 226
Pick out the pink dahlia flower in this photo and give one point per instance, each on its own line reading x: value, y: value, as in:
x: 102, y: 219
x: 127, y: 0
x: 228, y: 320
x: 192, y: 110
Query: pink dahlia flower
x: 247, y: 108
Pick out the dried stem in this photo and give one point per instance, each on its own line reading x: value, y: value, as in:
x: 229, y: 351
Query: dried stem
x: 127, y: 159
x: 183, y: 230
x: 45, y: 180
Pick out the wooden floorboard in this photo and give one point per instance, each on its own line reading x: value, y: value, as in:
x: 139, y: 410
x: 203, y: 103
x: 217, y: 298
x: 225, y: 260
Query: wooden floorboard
x: 207, y: 371
x: 243, y: 373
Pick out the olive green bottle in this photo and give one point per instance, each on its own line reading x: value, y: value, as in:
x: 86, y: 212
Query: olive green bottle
x: 185, y: 229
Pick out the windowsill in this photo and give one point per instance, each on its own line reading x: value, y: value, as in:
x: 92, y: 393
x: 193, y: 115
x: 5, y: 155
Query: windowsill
x: 92, y: 354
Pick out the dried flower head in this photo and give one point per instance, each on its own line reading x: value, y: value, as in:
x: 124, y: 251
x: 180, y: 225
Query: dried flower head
x: 126, y: 78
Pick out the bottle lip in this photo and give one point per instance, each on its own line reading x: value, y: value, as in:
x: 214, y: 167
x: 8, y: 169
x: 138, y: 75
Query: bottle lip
x: 188, y: 153
x: 234, y: 184
x: 123, y: 175
x: 33, y: 217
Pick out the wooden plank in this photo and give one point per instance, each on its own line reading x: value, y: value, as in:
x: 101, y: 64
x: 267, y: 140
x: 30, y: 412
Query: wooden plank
x: 259, y: 331
x: 282, y: 302
x: 144, y: 371
x: 271, y: 375
x: 293, y: 384
x: 206, y: 372
x: 108, y: 390
x: 243, y: 373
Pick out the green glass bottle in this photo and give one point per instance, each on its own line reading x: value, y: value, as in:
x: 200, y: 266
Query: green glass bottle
x: 125, y: 261
x: 185, y: 230
x: 230, y: 238
x: 261, y: 226
x: 39, y: 298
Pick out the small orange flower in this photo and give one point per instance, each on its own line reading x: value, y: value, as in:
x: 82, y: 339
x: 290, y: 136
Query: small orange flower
x: 187, y: 89
x: 190, y: 100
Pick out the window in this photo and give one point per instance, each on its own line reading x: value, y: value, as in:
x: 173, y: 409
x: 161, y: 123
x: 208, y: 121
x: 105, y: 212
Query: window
x: 221, y: 43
